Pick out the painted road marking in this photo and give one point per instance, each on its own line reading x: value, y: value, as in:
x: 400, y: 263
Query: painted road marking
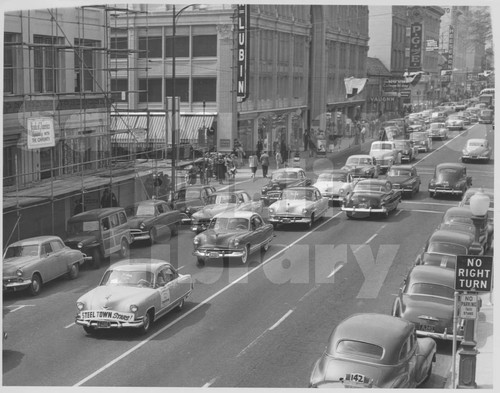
x: 201, y: 304
x: 368, y: 241
x: 442, y: 146
x: 19, y: 306
x: 70, y: 325
x: 281, y: 320
x: 209, y: 383
x: 337, y: 268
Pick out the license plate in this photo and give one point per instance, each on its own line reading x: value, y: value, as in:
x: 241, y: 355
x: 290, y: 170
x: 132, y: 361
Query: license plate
x: 426, y: 328
x: 285, y: 220
x: 213, y: 255
x: 103, y: 324
x: 362, y: 205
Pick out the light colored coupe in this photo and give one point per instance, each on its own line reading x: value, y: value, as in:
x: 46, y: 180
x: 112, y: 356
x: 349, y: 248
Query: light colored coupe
x: 334, y: 184
x: 133, y: 293
x: 298, y: 205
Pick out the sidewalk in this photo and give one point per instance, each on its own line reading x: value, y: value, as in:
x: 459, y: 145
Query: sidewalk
x: 484, y: 346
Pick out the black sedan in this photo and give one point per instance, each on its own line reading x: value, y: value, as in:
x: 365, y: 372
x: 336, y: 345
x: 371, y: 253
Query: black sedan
x: 450, y: 179
x: 371, y: 197
x: 404, y: 178
x: 281, y: 179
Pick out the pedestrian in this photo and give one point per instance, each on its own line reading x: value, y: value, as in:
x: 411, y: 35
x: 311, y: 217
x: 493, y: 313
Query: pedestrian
x: 363, y: 133
x: 260, y: 146
x: 306, y: 139
x: 220, y: 168
x: 275, y: 146
x: 264, y: 161
x: 109, y: 198
x: 230, y: 167
x: 253, y: 162
x: 279, y: 159
x: 78, y: 206
x: 382, y: 135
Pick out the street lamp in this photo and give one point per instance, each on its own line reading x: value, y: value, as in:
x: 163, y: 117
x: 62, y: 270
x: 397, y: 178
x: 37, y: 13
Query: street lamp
x: 479, y: 204
x: 174, y: 149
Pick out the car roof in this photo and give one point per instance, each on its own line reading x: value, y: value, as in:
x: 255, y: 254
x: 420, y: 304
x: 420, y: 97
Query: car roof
x: 381, y: 182
x: 461, y: 211
x: 228, y: 192
x: 34, y: 240
x: 310, y: 188
x: 433, y: 275
x: 380, y: 329
x: 235, y: 214
x: 135, y: 264
x: 332, y: 171
x: 95, y: 214
x: 453, y: 237
x: 288, y: 170
x: 360, y: 156
x: 477, y: 140
x: 450, y: 165
x: 407, y: 167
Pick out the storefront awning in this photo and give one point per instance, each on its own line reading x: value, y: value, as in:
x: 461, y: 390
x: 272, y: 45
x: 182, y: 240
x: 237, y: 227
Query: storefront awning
x: 133, y: 128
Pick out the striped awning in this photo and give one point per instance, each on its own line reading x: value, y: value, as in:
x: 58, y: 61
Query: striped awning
x: 130, y: 128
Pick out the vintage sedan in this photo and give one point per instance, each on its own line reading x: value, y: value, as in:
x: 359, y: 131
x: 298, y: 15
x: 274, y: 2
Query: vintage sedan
x: 233, y: 234
x: 450, y: 179
x: 30, y: 263
x: 416, y: 127
x: 190, y: 199
x: 151, y: 219
x: 335, y: 184
x: 463, y: 215
x: 281, y: 179
x: 455, y: 122
x: 386, y: 154
x: 426, y: 299
x: 298, y: 205
x: 362, y: 165
x: 224, y: 201
x: 476, y: 150
x: 421, y: 141
x: 406, y: 149
x: 438, y: 131
x: 374, y: 351
x: 133, y: 293
x: 372, y: 197
x: 404, y: 178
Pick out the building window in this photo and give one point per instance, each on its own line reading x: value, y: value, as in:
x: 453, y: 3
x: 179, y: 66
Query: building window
x: 150, y: 90
x: 205, y: 46
x: 45, y: 63
x: 118, y: 87
x: 118, y: 46
x: 150, y: 47
x: 9, y: 61
x: 181, y: 88
x: 181, y: 46
x: 204, y: 89
x: 86, y: 64
x: 9, y: 166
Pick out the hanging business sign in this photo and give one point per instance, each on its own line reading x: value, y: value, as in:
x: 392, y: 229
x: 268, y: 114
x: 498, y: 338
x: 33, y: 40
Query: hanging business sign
x: 451, y: 42
x: 243, y: 52
x: 415, y: 47
x: 40, y: 132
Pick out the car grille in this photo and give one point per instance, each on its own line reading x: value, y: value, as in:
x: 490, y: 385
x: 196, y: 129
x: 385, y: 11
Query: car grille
x: 11, y: 280
x: 217, y: 250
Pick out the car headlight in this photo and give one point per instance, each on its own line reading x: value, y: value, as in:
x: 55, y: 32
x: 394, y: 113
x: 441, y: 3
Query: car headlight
x: 80, y: 306
x: 142, y: 226
x: 196, y: 241
x: 80, y: 245
x: 236, y: 242
x: 271, y: 210
x: 367, y: 171
x: 134, y: 308
x: 19, y: 272
x: 188, y: 209
x: 341, y: 192
x: 264, y: 190
x: 304, y: 211
x: 464, y: 151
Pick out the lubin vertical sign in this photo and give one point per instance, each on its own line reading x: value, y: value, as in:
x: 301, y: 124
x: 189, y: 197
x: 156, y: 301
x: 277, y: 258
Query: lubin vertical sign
x: 415, y: 47
x: 243, y: 79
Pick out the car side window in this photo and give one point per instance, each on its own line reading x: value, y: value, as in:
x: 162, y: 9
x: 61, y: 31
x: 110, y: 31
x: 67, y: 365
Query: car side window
x: 404, y: 350
x: 105, y: 224
x: 160, y: 209
x: 245, y: 197
x: 169, y: 274
x: 56, y: 245
x: 123, y: 218
x: 114, y: 220
x: 46, y: 249
x: 256, y: 223
x: 165, y: 208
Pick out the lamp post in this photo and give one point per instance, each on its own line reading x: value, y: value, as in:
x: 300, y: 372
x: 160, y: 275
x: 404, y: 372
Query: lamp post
x: 479, y: 204
x: 174, y: 109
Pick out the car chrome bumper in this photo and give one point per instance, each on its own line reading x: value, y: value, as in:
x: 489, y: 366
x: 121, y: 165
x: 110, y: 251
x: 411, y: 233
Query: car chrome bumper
x: 364, y: 209
x: 439, y: 336
x: 445, y: 191
x: 199, y: 227
x: 112, y: 324
x: 289, y: 220
x: 213, y: 254
x: 475, y: 157
x: 140, y: 235
x: 16, y: 285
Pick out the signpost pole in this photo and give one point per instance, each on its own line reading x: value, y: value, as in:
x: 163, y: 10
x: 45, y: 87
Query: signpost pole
x: 454, y: 345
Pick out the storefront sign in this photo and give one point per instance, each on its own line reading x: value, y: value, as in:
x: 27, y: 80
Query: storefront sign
x: 225, y: 143
x: 383, y: 99
x: 415, y: 47
x: 451, y: 41
x: 431, y: 45
x: 40, y: 132
x: 243, y: 63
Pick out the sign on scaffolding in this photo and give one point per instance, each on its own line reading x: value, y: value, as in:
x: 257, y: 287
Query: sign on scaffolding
x: 40, y: 132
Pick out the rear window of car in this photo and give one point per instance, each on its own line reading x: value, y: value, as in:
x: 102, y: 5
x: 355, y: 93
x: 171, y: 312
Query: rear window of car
x: 429, y: 289
x: 447, y: 248
x: 360, y: 348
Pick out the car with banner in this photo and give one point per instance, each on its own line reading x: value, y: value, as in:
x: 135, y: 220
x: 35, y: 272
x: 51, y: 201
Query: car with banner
x: 233, y: 234
x: 334, y: 184
x: 371, y: 196
x: 133, y: 293
x: 374, y: 351
x: 98, y: 233
x: 281, y: 179
x: 426, y: 299
x: 449, y: 178
x: 151, y: 219
x: 404, y: 178
x: 455, y: 122
x: 30, y: 263
x: 298, y: 205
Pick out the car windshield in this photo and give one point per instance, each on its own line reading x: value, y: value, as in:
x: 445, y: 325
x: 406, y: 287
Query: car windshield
x: 431, y: 289
x: 448, y: 174
x: 454, y: 117
x: 382, y: 146
x: 447, y: 248
x: 358, y: 161
x: 141, y: 210
x: 399, y: 172
x: 418, y: 137
x: 221, y: 198
x: 475, y: 144
x: 229, y: 224
x: 21, y: 251
x: 298, y: 194
x: 184, y: 194
x: 333, y: 177
x: 437, y: 126
x: 371, y: 187
x: 442, y: 260
x: 128, y: 278
x: 284, y: 175
x: 360, y: 348
x: 401, y: 145
x: 83, y: 227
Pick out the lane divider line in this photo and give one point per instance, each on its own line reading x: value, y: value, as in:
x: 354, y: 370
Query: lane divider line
x: 209, y: 383
x: 202, y: 304
x: 281, y: 320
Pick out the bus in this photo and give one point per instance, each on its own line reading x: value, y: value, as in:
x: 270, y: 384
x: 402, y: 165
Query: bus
x: 489, y: 90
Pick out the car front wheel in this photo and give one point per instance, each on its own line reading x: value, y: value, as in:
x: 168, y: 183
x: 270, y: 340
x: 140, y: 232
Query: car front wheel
x: 73, y: 271
x: 244, y: 256
x: 96, y: 258
x: 147, y: 321
x: 36, y: 285
x: 124, y: 249
x: 152, y: 236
